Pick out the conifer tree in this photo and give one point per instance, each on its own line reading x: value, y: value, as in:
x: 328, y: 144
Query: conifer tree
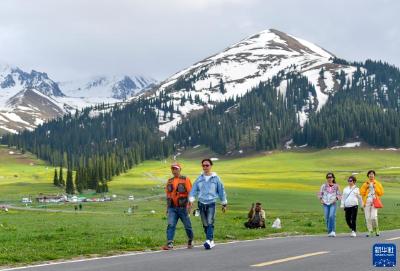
x: 78, y: 181
x: 69, y: 187
x: 56, y: 182
x: 61, y: 178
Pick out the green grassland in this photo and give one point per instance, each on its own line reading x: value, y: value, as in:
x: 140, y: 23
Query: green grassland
x: 286, y: 182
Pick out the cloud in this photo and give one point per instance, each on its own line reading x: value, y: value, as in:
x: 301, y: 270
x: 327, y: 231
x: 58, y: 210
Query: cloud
x: 76, y: 38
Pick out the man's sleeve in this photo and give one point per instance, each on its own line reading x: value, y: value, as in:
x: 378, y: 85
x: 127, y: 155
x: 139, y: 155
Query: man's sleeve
x: 188, y: 184
x: 194, y: 191
x: 221, y: 192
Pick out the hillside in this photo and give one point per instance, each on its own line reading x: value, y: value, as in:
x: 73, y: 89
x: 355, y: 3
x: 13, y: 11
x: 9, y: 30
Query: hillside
x: 28, y: 99
x: 285, y: 182
x: 300, y: 95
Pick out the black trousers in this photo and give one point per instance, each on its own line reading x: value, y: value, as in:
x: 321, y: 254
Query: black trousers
x: 251, y: 225
x: 351, y: 217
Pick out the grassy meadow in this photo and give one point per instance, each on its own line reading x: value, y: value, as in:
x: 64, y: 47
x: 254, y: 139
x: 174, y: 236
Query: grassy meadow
x: 286, y: 182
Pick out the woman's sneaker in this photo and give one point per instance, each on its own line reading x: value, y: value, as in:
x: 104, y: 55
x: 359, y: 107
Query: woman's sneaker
x: 353, y: 234
x: 190, y: 244
x: 369, y: 234
x: 332, y: 234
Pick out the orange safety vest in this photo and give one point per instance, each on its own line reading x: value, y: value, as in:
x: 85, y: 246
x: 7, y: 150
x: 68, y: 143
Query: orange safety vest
x: 177, y: 191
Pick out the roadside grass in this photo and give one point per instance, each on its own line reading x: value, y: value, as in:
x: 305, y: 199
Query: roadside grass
x: 285, y: 182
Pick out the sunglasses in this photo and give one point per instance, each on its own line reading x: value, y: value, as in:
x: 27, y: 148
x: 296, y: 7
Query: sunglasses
x: 329, y: 177
x: 206, y: 165
x: 350, y: 180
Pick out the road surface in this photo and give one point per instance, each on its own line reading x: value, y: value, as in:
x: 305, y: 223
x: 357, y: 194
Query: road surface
x: 300, y: 253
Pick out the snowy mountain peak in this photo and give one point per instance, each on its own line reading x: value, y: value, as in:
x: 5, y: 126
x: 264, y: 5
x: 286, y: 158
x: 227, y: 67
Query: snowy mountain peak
x: 245, y: 64
x: 15, y: 78
x: 119, y: 87
x: 275, y: 40
x: 28, y: 99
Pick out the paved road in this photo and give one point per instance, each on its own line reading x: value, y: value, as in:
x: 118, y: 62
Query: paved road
x: 317, y: 253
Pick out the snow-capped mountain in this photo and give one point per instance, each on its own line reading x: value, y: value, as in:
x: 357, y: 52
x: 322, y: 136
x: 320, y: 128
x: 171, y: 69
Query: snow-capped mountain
x: 115, y: 87
x: 12, y: 78
x: 29, y: 99
x: 244, y: 65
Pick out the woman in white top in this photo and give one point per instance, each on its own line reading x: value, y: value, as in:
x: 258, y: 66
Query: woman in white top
x: 350, y: 200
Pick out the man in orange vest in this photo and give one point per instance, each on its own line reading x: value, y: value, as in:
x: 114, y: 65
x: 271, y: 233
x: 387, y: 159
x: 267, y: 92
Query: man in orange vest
x: 177, y: 191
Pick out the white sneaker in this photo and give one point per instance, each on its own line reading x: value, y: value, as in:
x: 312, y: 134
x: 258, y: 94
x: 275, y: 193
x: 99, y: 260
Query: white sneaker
x: 353, y: 234
x: 212, y: 244
x: 332, y: 234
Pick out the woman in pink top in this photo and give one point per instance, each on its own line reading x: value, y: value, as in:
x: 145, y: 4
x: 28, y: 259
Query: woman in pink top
x: 329, y: 194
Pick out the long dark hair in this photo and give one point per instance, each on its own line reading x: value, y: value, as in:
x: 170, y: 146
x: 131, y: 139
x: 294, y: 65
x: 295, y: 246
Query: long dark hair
x: 333, y: 176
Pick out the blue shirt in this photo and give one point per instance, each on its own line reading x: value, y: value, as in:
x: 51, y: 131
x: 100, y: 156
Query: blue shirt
x: 208, y: 191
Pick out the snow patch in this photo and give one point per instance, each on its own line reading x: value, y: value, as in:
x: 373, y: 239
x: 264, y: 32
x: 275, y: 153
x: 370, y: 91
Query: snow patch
x: 348, y: 145
x: 288, y: 143
x: 302, y: 116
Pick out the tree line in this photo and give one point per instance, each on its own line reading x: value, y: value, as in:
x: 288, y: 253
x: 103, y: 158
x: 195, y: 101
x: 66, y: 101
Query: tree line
x: 106, y: 140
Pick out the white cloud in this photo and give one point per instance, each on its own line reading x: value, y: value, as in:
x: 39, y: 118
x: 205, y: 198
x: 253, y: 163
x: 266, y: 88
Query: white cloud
x: 75, y: 38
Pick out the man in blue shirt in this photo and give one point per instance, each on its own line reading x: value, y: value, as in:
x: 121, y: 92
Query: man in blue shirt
x: 208, y: 187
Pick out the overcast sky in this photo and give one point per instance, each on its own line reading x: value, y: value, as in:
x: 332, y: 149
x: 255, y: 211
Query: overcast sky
x: 77, y: 38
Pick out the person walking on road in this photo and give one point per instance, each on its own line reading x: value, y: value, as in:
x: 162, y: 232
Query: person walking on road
x: 371, y: 191
x: 351, y: 199
x: 208, y: 187
x: 177, y: 191
x: 328, y: 195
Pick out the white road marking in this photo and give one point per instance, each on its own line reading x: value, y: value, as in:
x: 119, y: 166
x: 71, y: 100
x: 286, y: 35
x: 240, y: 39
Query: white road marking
x: 290, y: 259
x: 391, y: 239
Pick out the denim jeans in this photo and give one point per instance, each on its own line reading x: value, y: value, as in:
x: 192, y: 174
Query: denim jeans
x: 207, y: 214
x: 174, y: 214
x: 330, y: 217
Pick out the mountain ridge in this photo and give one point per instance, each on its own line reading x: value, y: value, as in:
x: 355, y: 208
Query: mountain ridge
x: 28, y: 99
x: 242, y: 66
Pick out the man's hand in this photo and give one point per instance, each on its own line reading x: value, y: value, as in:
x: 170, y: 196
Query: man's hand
x: 189, y: 207
x: 224, y: 208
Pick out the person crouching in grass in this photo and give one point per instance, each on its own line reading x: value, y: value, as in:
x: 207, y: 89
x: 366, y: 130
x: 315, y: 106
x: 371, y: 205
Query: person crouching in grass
x: 256, y: 217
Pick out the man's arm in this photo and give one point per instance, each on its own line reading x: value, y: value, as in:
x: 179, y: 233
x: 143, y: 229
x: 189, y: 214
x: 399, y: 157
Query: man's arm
x: 221, y: 192
x: 194, y: 191
x: 188, y: 185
